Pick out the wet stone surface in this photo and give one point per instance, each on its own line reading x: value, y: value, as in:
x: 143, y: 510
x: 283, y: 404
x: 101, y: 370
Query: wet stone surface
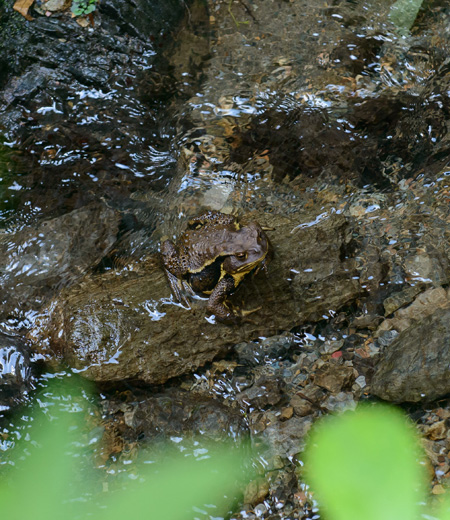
x: 416, y: 364
x: 16, y: 372
x: 319, y: 123
x: 173, y: 412
x: 115, y: 328
x: 37, y: 261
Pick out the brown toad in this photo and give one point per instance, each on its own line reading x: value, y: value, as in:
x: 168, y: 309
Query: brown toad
x: 213, y: 256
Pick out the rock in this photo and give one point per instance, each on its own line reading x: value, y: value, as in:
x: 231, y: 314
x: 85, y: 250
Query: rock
x: 438, y: 489
x: 16, y: 376
x: 126, y: 326
x: 176, y: 412
x: 367, y: 321
x: 416, y: 365
x: 282, y: 485
x: 255, y: 353
x: 436, y: 431
x: 282, y: 439
x: 386, y: 337
x: 38, y: 260
x: 286, y: 413
x: 256, y: 491
x: 340, y: 402
x: 399, y: 299
x: 424, y: 305
x: 329, y: 346
x: 302, y: 406
x: 334, y: 377
x: 425, y: 268
x: 322, y: 246
x: 361, y: 381
x: 56, y: 5
x: 266, y: 391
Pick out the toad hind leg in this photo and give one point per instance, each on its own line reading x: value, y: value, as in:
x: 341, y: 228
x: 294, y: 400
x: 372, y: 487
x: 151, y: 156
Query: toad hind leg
x: 216, y: 301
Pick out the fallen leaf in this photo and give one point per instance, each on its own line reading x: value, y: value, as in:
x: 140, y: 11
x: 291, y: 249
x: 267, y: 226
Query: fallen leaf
x: 22, y: 6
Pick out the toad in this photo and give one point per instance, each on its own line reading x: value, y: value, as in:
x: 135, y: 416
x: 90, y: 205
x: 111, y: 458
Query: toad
x: 212, y: 257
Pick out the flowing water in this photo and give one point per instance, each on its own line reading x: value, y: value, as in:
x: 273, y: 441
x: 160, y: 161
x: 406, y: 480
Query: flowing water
x: 297, y: 113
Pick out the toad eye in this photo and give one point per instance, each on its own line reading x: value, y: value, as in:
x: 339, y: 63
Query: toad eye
x: 242, y: 256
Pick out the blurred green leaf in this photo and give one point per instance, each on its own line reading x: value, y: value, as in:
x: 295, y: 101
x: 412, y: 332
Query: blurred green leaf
x: 403, y: 14
x: 366, y: 465
x: 179, y: 487
x: 42, y: 481
x: 53, y: 479
x: 443, y: 512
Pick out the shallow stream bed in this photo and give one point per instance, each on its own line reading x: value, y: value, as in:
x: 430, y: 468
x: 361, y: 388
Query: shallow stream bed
x: 325, y: 123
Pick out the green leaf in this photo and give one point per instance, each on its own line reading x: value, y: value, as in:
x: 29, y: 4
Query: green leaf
x: 403, y: 14
x: 178, y: 488
x: 366, y: 465
x: 444, y: 509
x: 52, y: 477
x: 44, y: 479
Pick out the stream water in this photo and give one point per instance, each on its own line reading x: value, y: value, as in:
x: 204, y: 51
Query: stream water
x: 320, y: 121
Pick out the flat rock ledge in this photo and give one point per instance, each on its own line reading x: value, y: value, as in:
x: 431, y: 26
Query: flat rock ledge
x: 125, y: 325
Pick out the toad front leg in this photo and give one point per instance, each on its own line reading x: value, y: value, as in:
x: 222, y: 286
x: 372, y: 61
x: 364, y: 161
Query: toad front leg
x: 216, y: 301
x: 174, y: 269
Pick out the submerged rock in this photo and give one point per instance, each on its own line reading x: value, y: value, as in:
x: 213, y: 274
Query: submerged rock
x: 16, y: 376
x: 38, y: 260
x: 126, y: 326
x: 416, y: 365
x: 175, y: 412
x: 424, y: 305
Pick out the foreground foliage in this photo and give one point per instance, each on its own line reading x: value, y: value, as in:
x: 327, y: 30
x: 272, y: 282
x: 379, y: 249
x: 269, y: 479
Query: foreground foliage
x: 50, y: 480
x: 366, y: 464
x: 369, y: 465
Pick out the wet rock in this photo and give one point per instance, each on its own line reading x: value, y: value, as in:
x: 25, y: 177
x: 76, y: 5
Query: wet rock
x: 310, y: 253
x: 387, y: 337
x: 256, y: 491
x: 281, y: 439
x: 360, y: 381
x: 437, y: 430
x: 266, y: 391
x: 399, y: 299
x: 70, y: 96
x: 115, y: 327
x: 425, y: 268
x: 176, y: 412
x: 340, y: 402
x: 134, y: 17
x: 282, y: 486
x: 38, y: 260
x: 16, y: 375
x: 255, y: 353
x: 424, y: 305
x: 307, y: 401
x: 286, y: 413
x: 415, y: 366
x: 330, y: 346
x: 334, y: 377
x: 367, y: 320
